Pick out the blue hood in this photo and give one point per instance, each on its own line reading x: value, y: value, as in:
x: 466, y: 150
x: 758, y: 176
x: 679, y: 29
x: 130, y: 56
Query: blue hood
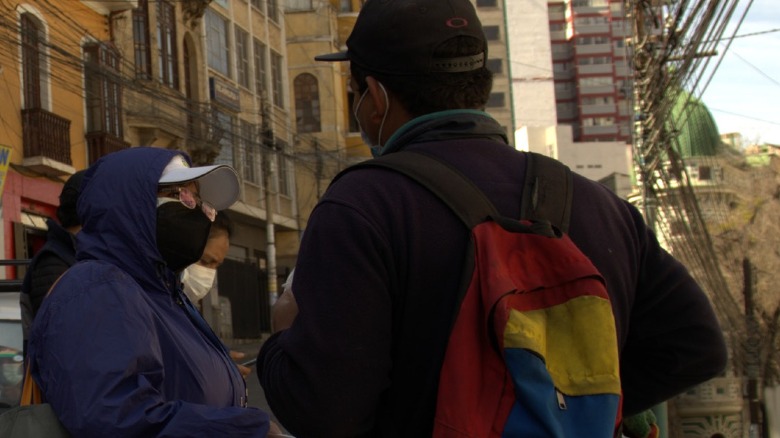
x: 117, y: 208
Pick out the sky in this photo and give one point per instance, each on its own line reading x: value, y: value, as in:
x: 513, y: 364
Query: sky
x: 744, y: 90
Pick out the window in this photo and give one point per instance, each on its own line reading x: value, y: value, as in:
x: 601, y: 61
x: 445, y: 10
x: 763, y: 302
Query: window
x: 166, y: 44
x: 257, y: 4
x: 594, y: 60
x: 597, y: 101
x: 102, y: 89
x: 492, y: 33
x: 558, y: 8
x: 250, y: 150
x: 705, y: 173
x: 218, y: 50
x: 276, y: 79
x: 242, y: 57
x: 486, y: 3
x: 224, y: 124
x: 588, y: 3
x: 598, y: 81
x: 141, y: 48
x: 32, y: 60
x: 496, y: 100
x: 566, y: 110
x: 298, y: 5
x: 561, y: 67
x: 273, y: 10
x: 345, y: 6
x: 307, y: 103
x: 260, y: 69
x: 584, y: 21
x: 598, y: 121
x: 496, y: 65
x: 284, y: 174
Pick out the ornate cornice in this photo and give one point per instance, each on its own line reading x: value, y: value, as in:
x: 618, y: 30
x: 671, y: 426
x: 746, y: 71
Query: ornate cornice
x: 194, y: 10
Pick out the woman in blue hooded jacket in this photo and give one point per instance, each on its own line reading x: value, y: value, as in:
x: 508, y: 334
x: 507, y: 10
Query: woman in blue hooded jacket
x: 117, y: 348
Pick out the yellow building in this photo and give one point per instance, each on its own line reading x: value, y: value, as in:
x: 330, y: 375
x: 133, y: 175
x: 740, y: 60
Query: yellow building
x: 86, y: 78
x: 59, y: 107
x: 210, y: 79
x: 327, y: 138
x: 245, y: 61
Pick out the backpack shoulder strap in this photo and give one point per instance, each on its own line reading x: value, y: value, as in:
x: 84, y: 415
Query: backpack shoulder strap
x: 446, y: 182
x: 547, y: 190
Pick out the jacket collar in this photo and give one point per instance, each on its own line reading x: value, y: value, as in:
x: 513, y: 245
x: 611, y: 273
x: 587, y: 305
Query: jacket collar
x: 444, y: 125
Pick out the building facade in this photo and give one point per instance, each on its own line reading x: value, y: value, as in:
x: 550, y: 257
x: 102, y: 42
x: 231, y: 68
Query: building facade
x: 60, y: 109
x: 327, y: 133
x: 326, y: 137
x: 208, y: 78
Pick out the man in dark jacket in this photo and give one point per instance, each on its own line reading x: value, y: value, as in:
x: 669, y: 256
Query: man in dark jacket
x: 55, y: 256
x: 379, y: 265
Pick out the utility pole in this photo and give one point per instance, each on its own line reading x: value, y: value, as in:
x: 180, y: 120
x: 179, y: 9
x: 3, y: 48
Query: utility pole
x: 753, y: 347
x: 269, y: 154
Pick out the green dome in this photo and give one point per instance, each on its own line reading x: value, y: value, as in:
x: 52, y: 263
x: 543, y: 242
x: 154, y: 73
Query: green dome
x: 698, y: 134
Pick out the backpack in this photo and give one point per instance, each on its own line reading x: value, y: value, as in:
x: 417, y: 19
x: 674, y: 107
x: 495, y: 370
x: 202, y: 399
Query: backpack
x: 533, y: 348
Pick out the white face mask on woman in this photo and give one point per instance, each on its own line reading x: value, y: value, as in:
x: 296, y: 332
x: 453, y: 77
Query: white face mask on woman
x: 197, y: 281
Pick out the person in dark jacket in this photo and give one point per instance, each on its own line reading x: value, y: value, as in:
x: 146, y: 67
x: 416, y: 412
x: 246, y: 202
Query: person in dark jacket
x: 55, y: 256
x: 116, y: 348
x: 379, y: 264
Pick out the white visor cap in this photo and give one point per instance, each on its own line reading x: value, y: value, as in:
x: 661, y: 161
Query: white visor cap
x: 218, y: 184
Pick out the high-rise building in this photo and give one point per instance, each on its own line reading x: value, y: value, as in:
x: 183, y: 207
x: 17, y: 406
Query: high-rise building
x: 569, y: 70
x: 575, y: 49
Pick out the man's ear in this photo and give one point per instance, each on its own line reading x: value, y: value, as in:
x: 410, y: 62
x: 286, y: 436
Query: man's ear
x: 379, y: 97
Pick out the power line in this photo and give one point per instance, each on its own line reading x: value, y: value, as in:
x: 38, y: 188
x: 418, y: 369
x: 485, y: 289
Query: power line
x: 744, y: 116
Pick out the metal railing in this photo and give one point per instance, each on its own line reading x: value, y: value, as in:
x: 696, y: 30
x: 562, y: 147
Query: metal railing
x: 46, y: 134
x: 12, y: 284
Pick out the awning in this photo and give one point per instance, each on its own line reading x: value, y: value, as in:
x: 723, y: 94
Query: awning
x: 33, y: 220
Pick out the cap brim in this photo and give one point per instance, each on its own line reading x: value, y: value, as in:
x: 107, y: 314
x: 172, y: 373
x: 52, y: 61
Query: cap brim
x: 331, y: 57
x: 218, y: 184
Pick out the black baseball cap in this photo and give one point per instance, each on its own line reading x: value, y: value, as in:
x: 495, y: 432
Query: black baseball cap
x: 399, y: 37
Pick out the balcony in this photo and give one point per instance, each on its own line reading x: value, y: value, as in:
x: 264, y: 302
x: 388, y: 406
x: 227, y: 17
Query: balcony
x: 103, y: 7
x: 100, y: 143
x: 603, y: 109
x: 593, y: 69
x: 46, y: 138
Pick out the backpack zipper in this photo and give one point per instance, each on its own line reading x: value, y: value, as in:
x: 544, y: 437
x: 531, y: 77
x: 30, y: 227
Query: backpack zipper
x: 561, y: 400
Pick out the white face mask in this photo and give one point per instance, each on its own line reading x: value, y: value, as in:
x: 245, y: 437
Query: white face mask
x: 197, y: 281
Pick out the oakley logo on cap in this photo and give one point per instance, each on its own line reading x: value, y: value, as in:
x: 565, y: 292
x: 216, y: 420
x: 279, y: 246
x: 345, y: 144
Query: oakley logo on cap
x: 457, y: 22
